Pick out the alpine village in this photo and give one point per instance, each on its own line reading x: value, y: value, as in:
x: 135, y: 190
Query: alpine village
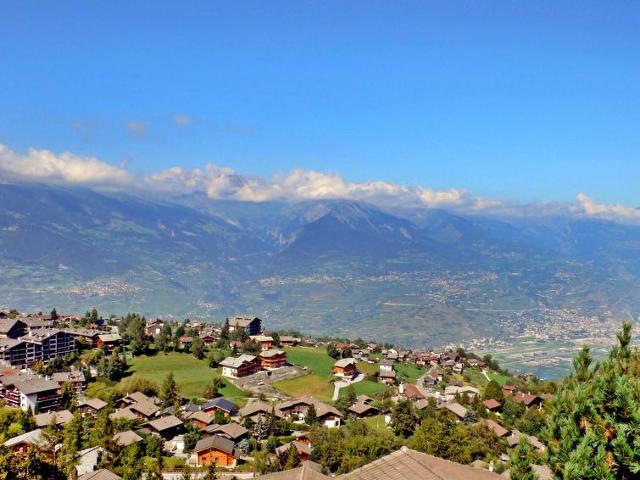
x: 95, y: 398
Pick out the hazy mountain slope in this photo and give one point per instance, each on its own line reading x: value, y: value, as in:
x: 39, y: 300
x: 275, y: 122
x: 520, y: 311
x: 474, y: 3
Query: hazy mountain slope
x: 333, y: 266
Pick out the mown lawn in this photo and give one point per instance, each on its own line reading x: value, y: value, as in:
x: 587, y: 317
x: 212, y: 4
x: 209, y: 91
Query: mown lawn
x: 315, y: 359
x: 316, y: 384
x: 409, y: 371
x: 311, y: 385
x: 192, y: 375
x: 365, y: 387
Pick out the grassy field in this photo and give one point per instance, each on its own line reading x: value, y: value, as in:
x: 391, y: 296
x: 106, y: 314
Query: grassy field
x: 368, y: 368
x: 501, y: 379
x: 192, y: 375
x: 377, y: 422
x: 476, y: 376
x: 311, y: 385
x: 409, y: 371
x: 365, y: 387
x: 315, y: 359
x: 317, y: 383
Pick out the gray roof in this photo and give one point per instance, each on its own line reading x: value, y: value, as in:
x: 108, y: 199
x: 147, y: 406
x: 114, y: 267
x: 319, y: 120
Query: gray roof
x: 344, y: 362
x: 218, y: 442
x: 237, y: 362
x: 165, y: 423
x: 34, y: 437
x: 231, y: 430
x: 407, y: 464
x: 102, y: 474
x: 221, y: 403
x: 36, y: 385
x: 62, y: 417
x: 308, y: 471
x: 95, y: 403
x: 126, y: 438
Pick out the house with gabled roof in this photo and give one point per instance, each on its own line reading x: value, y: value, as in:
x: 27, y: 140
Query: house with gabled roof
x: 227, y: 407
x: 217, y: 450
x: 242, y: 366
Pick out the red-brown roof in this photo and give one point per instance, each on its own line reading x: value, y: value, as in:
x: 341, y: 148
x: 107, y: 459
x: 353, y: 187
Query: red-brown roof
x: 492, y: 404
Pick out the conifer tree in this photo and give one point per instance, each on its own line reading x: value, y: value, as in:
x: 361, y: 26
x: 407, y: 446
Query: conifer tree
x: 593, y: 427
x: 521, y: 459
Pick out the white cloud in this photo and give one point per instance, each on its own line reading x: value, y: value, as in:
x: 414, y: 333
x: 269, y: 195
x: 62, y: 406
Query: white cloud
x: 590, y: 207
x: 297, y: 185
x: 183, y: 120
x: 137, y: 128
x: 65, y: 167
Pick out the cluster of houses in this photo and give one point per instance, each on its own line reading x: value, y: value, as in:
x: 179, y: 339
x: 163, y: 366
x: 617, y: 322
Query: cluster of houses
x: 26, y: 340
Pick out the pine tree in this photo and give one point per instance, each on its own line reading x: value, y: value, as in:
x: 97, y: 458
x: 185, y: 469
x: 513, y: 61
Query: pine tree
x: 593, y: 423
x: 169, y: 393
x: 210, y: 472
x: 403, y: 420
x: 293, y: 458
x: 521, y: 459
x: 311, y: 418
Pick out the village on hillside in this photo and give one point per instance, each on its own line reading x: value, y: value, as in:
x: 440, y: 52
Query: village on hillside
x: 135, y: 398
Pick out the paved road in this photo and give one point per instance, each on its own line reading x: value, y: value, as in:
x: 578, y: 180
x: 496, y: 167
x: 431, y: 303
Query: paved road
x: 340, y: 384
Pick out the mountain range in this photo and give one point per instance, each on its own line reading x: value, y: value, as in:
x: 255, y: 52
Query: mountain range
x: 416, y: 276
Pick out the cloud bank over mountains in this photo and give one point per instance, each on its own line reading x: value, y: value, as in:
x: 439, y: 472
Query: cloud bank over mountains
x: 225, y: 183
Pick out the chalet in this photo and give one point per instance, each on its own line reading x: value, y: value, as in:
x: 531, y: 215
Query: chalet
x: 251, y: 325
x: 29, y: 392
x: 456, y: 410
x: 458, y: 367
x: 345, y: 368
x: 304, y: 451
x: 124, y: 414
x: 75, y: 378
x: 227, y: 407
x: 232, y: 431
x: 452, y: 390
x: 498, y: 429
x: 124, y: 439
x: 166, y: 427
x: 297, y: 409
x: 91, y: 406
x: 265, y: 341
x: 61, y: 417
x: 185, y: 341
x: 102, y: 474
x: 34, y: 323
x: 208, y: 339
x: 216, y: 450
x: 86, y: 336
x: 154, y: 327
x: 144, y: 410
x: 411, y: 392
x: 109, y: 341
x: 508, y: 389
x: 528, y: 400
x: 289, y: 341
x: 236, y: 367
x: 21, y: 443
x: 492, y: 405
x: 12, y: 328
x: 363, y: 410
x: 257, y: 410
x: 273, y: 358
x: 387, y: 377
x: 200, y: 419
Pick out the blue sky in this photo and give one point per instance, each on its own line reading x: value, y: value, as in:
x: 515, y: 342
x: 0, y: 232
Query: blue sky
x: 524, y: 101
